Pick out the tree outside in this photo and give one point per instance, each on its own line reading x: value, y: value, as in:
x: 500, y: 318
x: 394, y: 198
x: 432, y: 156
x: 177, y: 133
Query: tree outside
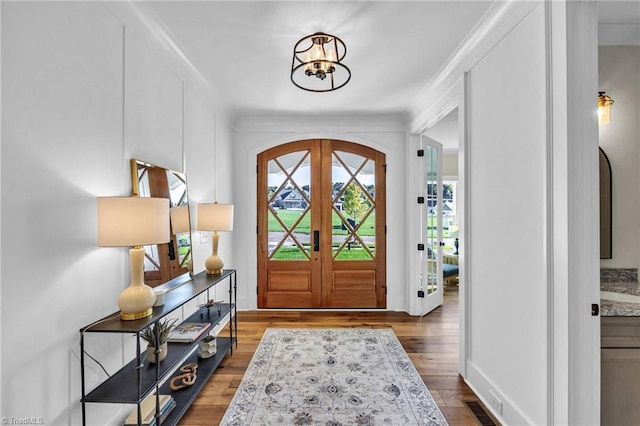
x: 354, y: 203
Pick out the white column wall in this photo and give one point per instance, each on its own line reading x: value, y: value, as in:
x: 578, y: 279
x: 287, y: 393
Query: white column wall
x: 530, y: 208
x: 505, y: 253
x: 80, y: 97
x: 257, y: 135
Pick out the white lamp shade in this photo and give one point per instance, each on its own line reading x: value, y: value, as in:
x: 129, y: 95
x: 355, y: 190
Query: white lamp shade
x: 132, y: 221
x: 180, y: 223
x: 215, y: 217
x: 453, y: 232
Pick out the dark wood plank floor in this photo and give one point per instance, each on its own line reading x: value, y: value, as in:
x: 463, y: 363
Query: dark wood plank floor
x: 431, y: 342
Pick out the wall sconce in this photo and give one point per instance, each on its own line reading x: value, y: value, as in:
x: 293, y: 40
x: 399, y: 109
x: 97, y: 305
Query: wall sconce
x: 604, y: 108
x: 215, y: 217
x: 319, y: 55
x: 134, y: 222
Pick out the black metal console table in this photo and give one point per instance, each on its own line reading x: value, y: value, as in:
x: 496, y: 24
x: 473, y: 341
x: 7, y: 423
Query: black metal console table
x: 137, y: 379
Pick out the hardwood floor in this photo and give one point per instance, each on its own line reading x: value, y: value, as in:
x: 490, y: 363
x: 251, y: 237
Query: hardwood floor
x: 431, y: 342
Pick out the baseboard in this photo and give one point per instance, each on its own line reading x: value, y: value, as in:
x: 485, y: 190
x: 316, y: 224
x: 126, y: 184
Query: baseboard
x: 482, y: 387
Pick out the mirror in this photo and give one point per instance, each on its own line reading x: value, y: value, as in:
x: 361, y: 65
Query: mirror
x: 170, y: 261
x: 606, y: 251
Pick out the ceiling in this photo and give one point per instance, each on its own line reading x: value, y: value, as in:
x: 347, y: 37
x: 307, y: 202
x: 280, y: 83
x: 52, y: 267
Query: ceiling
x: 242, y: 50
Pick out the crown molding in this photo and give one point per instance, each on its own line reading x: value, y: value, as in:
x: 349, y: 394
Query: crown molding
x: 439, y: 95
x: 307, y: 123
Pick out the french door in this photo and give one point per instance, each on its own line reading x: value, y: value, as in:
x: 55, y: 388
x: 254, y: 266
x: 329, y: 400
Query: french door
x: 321, y: 226
x: 431, y: 279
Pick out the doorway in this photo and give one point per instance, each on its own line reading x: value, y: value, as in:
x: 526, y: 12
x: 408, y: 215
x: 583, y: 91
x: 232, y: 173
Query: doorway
x: 321, y: 226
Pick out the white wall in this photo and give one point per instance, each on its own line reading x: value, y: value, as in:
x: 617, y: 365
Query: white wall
x: 619, y: 76
x: 529, y: 262
x: 257, y: 135
x: 81, y: 96
x: 506, y: 284
x: 449, y: 165
x: 0, y: 215
x: 208, y: 157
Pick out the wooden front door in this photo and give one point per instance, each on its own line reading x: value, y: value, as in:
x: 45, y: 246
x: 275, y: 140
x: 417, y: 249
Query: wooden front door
x: 321, y: 226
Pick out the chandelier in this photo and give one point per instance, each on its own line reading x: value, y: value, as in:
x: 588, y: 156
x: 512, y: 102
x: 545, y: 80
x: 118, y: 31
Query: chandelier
x: 317, y: 63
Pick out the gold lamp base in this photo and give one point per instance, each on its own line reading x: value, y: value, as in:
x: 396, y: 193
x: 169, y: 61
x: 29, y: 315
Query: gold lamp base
x: 125, y: 316
x: 214, y: 271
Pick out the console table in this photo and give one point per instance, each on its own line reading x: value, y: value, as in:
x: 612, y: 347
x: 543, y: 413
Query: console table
x: 138, y: 379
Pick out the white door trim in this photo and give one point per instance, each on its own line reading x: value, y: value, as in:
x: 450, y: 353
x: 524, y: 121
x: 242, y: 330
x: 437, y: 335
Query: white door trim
x: 573, y: 337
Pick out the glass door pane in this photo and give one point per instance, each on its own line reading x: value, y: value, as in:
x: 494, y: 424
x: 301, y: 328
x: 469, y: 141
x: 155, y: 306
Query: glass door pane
x: 353, y: 221
x: 433, y: 205
x: 289, y: 206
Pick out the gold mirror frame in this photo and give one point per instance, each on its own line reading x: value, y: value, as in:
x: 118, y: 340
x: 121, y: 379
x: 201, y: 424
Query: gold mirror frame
x: 168, y: 263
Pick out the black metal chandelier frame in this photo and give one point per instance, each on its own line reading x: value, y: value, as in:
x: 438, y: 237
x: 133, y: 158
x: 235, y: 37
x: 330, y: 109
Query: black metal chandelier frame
x: 323, y: 67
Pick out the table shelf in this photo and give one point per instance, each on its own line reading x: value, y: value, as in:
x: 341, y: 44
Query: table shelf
x: 139, y: 378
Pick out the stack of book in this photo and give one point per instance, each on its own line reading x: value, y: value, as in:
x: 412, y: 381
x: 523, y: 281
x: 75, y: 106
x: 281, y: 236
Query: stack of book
x: 188, y: 332
x: 148, y: 410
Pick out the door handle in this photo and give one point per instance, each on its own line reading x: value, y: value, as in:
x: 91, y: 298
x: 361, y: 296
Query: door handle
x: 172, y: 253
x: 316, y: 240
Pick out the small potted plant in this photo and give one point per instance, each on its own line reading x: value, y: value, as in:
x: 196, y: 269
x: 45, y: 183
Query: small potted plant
x: 207, y: 347
x: 162, y: 328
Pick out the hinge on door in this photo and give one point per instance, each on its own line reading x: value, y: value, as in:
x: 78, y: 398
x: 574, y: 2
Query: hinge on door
x: 385, y: 229
x: 595, y: 310
x: 257, y: 290
x: 420, y: 247
x: 421, y: 153
x: 256, y: 169
x: 385, y: 168
x: 257, y: 230
x: 420, y: 200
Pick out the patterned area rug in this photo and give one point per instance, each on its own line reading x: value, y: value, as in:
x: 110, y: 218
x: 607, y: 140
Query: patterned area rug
x: 332, y: 377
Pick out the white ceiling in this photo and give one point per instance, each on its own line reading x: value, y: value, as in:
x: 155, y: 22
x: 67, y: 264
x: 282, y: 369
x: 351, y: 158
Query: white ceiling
x: 242, y: 50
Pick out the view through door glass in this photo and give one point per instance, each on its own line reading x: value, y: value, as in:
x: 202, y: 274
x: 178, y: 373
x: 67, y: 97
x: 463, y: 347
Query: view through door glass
x: 353, y: 216
x: 433, y: 215
x: 320, y: 226
x: 289, y: 206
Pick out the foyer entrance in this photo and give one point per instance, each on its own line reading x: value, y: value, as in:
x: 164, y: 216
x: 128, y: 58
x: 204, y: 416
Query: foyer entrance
x: 321, y: 226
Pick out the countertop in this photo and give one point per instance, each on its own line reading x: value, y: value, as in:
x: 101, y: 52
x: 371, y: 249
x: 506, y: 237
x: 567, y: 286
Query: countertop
x: 620, y: 299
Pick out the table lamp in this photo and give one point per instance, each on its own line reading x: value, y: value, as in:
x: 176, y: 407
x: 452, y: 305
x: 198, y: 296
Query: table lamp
x: 181, y: 224
x: 133, y: 222
x: 215, y: 217
x: 180, y: 219
x: 453, y: 233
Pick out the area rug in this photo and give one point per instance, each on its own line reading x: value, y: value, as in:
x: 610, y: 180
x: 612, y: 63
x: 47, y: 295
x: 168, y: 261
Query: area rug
x: 332, y: 377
